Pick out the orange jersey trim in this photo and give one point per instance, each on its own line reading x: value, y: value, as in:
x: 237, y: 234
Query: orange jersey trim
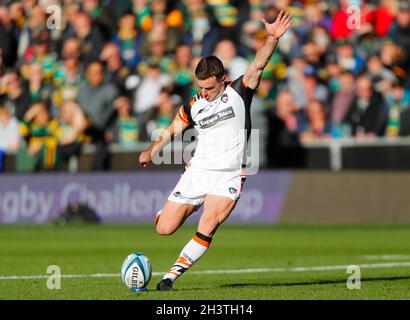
x: 182, y: 115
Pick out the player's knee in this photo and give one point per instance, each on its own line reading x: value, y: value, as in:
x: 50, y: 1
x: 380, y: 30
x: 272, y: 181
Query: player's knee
x: 164, y: 230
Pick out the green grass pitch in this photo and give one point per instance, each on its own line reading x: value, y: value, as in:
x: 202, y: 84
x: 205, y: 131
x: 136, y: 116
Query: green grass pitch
x: 292, y: 261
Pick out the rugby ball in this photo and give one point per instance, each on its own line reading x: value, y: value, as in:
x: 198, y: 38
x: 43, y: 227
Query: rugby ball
x: 136, y: 271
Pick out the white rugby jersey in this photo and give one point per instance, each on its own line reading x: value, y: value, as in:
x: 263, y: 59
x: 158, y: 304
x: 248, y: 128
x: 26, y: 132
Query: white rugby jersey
x: 223, y: 126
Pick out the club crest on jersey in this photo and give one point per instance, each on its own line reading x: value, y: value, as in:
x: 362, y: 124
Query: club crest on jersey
x: 216, y: 118
x: 224, y: 98
x: 233, y: 190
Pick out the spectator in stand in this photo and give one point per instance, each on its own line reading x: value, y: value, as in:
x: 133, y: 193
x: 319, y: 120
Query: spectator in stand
x: 235, y: 65
x: 40, y: 53
x: 141, y: 11
x: 149, y: 11
x: 398, y: 101
x: 90, y: 37
x: 71, y: 131
x: 18, y: 19
x: 393, y: 58
x: 68, y: 75
x: 381, y: 76
x: 287, y: 118
x: 399, y: 31
x: 320, y: 37
x: 342, y: 98
x: 347, y: 58
x: 367, y: 114
x: 331, y: 73
x: 9, y: 131
x: 164, y: 18
x: 182, y: 73
x: 36, y: 22
x: 9, y: 134
x: 38, y: 88
x: 316, y: 123
x: 314, y: 89
x: 312, y: 55
x: 172, y: 13
x: 268, y: 88
x: 312, y: 17
x: 383, y: 17
x: 152, y: 84
x: 96, y: 97
x: 129, y: 40
x: 227, y: 16
x: 69, y: 15
x: 16, y: 96
x: 8, y: 37
x: 126, y: 129
x: 40, y: 132
x: 285, y: 126
x: 303, y: 83
x: 100, y: 17
x: 296, y: 78
x: 71, y: 49
x: 200, y: 32
x: 156, y: 47
x: 115, y: 71
x: 161, y: 116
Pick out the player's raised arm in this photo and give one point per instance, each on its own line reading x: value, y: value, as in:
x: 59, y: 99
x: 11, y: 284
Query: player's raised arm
x: 176, y: 127
x: 275, y: 30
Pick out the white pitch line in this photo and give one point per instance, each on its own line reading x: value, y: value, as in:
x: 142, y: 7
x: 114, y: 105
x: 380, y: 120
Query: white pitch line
x: 232, y: 271
x: 304, y: 269
x: 97, y: 275
x: 387, y: 257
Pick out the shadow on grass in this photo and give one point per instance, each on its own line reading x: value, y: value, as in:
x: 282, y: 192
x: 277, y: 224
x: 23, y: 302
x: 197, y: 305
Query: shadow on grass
x: 309, y: 283
x: 286, y: 284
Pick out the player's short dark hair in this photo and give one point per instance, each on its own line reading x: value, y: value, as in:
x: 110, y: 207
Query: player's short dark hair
x: 209, y: 67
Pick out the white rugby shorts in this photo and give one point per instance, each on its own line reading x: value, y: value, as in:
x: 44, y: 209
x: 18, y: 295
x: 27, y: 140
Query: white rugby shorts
x: 196, y: 183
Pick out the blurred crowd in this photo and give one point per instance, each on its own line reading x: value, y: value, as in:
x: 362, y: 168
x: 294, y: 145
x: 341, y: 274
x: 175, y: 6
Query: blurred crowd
x: 100, y: 71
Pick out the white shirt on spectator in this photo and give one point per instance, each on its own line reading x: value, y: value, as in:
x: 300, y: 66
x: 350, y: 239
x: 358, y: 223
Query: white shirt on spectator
x: 148, y: 92
x: 9, y: 134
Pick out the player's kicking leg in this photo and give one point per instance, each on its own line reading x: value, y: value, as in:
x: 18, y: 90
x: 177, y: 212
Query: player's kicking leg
x: 216, y: 210
x: 168, y: 220
x: 172, y: 216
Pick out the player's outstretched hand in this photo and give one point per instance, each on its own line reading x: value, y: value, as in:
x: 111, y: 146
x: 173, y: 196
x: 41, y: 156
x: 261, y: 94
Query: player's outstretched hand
x: 278, y: 28
x: 145, y: 158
